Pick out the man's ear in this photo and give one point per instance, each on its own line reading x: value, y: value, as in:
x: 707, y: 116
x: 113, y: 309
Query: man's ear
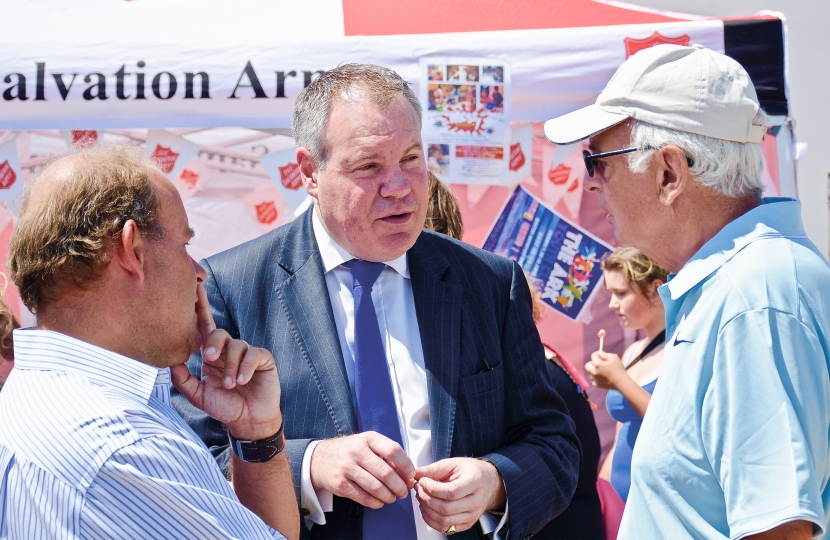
x: 131, y: 251
x: 308, y: 170
x: 672, y: 174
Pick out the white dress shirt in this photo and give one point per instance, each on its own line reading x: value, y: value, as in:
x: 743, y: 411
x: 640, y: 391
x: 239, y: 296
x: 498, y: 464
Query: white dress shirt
x: 90, y: 448
x: 395, y: 308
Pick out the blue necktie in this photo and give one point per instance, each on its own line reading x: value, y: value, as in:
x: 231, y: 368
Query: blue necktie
x: 376, y: 406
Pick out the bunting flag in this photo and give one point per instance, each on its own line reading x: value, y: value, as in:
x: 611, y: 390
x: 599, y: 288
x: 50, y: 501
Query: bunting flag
x: 283, y: 169
x: 81, y: 138
x: 521, y: 155
x: 192, y: 178
x: 267, y: 207
x: 171, y: 152
x: 475, y: 192
x: 562, y: 166
x: 11, y: 176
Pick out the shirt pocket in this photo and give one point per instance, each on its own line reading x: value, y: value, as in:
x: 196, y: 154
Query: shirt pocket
x: 480, y: 415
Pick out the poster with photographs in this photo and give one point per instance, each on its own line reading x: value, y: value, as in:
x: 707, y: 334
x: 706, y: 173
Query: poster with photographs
x: 467, y: 118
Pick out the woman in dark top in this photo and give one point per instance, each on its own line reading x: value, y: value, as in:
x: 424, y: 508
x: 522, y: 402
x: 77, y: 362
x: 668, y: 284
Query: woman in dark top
x: 583, y: 517
x: 582, y: 520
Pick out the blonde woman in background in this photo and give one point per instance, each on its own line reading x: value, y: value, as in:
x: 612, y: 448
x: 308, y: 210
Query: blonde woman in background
x: 632, y: 280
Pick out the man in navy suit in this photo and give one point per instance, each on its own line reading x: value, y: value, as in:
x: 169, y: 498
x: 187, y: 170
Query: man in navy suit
x: 416, y: 400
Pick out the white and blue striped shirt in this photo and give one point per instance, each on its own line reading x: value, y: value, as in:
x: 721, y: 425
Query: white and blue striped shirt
x: 90, y: 448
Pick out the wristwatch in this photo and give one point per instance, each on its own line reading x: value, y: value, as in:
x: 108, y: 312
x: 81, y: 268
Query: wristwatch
x: 259, y: 451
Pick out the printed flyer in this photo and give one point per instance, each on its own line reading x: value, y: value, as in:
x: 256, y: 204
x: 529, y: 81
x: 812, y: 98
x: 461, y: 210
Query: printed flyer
x: 466, y: 125
x: 562, y: 259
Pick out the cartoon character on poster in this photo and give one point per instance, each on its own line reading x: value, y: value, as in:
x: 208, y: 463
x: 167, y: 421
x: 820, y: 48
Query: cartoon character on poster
x: 562, y: 259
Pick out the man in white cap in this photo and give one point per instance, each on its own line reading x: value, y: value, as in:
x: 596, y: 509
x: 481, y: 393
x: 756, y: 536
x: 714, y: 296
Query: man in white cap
x: 735, y: 442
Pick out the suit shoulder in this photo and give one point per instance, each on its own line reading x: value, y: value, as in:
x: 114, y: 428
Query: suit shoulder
x: 469, y: 254
x: 252, y: 251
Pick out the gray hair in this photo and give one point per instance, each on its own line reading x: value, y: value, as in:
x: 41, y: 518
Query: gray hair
x: 313, y: 106
x: 730, y: 168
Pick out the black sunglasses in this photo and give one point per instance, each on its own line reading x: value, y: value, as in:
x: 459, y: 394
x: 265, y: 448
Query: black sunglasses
x: 589, y: 158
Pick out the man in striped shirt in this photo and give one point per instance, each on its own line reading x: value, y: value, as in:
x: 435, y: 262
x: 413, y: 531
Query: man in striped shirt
x: 89, y: 445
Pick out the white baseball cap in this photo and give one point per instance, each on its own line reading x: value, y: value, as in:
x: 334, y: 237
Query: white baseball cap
x: 691, y: 89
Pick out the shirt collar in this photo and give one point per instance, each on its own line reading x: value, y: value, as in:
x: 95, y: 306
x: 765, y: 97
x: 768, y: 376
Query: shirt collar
x: 334, y: 255
x: 45, y: 350
x: 776, y: 217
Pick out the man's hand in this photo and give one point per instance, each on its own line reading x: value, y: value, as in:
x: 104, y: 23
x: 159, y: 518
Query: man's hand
x: 606, y: 370
x: 367, y: 468
x: 457, y: 491
x: 239, y: 385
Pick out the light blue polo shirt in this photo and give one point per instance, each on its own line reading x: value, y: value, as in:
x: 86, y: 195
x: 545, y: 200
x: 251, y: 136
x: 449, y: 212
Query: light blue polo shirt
x: 736, y: 439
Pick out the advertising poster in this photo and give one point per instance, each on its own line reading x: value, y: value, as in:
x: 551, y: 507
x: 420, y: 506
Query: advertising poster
x: 466, y: 126
x: 562, y: 259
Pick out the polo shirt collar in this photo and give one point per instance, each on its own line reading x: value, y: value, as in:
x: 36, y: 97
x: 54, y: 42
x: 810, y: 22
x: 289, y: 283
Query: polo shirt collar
x: 334, y: 255
x: 776, y: 217
x: 45, y: 350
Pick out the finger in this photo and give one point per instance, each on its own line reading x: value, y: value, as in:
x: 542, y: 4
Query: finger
x: 448, y: 507
x: 214, y: 344
x: 232, y: 354
x: 254, y: 359
x: 442, y: 523
x: 393, y: 453
x: 440, y: 470
x: 204, y: 318
x: 386, y: 474
x: 372, y: 485
x: 591, y: 368
x: 187, y: 384
x: 449, y: 491
x: 351, y: 490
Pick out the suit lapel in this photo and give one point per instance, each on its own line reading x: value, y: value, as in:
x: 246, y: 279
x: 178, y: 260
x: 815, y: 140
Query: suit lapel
x: 438, y: 310
x: 305, y: 299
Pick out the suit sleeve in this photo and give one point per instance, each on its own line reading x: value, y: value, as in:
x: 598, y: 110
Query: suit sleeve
x: 540, y: 461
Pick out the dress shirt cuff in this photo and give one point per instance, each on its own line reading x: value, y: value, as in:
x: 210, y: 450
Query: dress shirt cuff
x: 314, y: 503
x: 491, y: 525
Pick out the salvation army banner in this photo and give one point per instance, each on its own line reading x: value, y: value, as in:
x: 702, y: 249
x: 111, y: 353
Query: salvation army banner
x: 213, y: 64
x: 562, y: 259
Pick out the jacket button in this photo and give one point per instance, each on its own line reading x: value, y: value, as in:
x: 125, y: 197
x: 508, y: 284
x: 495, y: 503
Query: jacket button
x: 305, y: 512
x: 354, y: 510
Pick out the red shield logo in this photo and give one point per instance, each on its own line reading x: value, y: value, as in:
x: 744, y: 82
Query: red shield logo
x: 84, y: 138
x: 633, y: 46
x: 266, y: 212
x: 517, y: 157
x: 290, y: 176
x: 190, y: 178
x: 165, y: 157
x: 559, y: 175
x: 7, y: 175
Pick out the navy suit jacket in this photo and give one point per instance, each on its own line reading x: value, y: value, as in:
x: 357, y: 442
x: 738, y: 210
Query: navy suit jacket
x: 490, y: 394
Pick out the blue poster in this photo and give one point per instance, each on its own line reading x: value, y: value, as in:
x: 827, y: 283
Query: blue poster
x: 562, y: 259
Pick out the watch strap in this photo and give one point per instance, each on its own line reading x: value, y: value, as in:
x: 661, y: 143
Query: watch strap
x: 261, y: 450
